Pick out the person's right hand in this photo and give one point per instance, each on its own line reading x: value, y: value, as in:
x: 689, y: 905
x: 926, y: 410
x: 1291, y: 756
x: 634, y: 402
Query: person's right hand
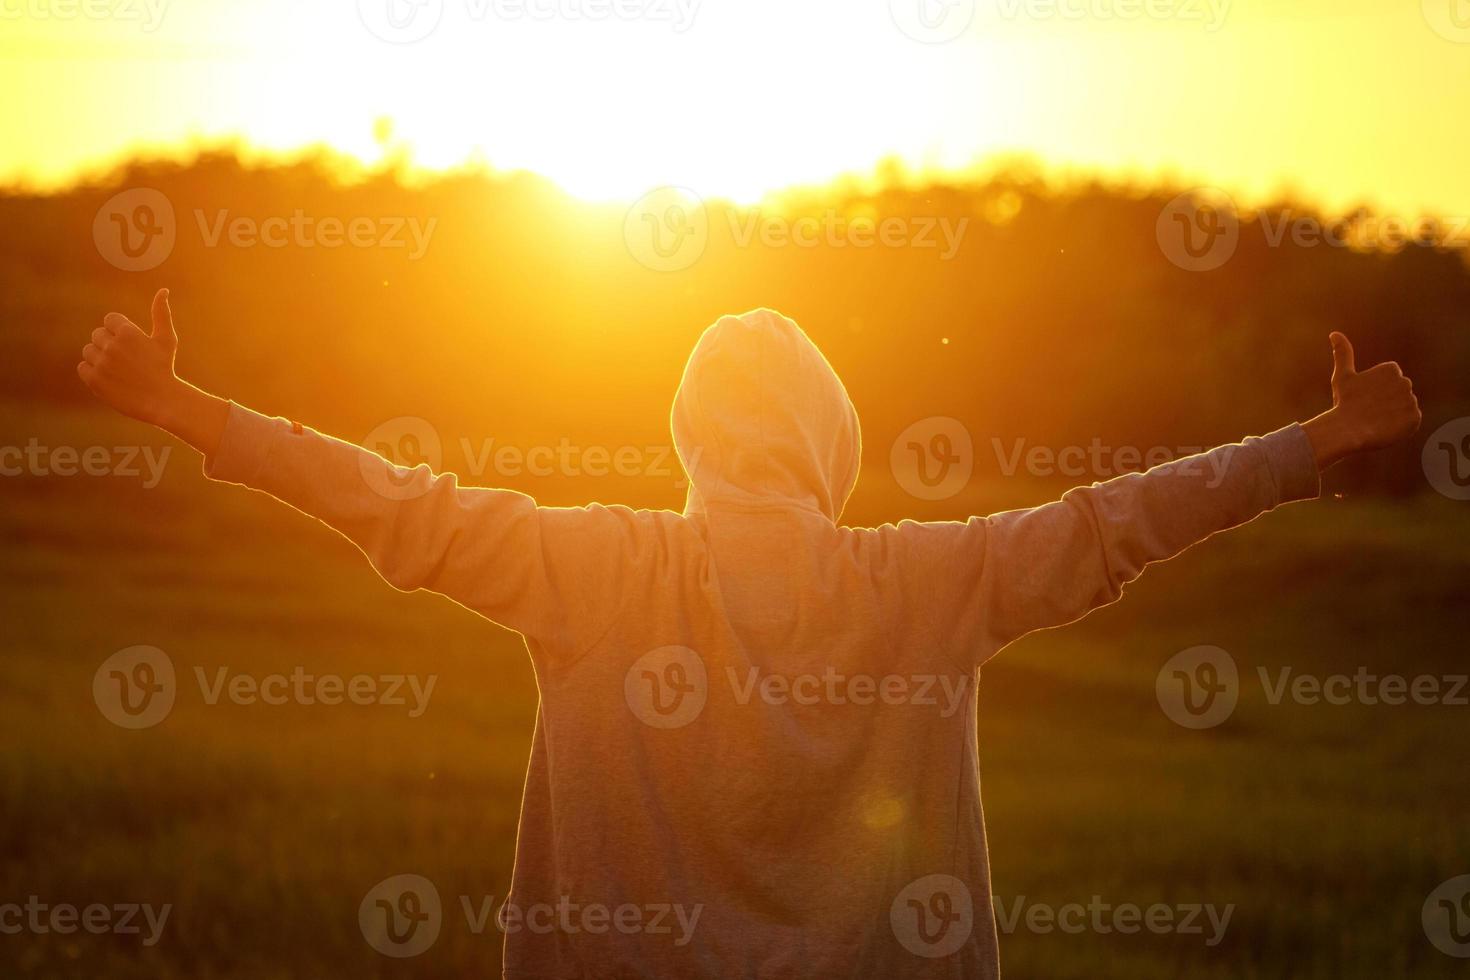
x: 1371, y: 409
x: 1376, y: 407
x: 133, y: 371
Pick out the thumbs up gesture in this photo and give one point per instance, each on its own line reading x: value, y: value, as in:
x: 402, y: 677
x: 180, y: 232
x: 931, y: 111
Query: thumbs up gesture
x: 130, y: 370
x: 1370, y: 409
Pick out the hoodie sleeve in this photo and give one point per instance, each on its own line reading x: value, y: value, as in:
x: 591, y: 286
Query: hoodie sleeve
x: 1001, y: 577
x: 550, y: 573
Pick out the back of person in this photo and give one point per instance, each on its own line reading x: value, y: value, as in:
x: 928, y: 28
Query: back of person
x: 773, y: 739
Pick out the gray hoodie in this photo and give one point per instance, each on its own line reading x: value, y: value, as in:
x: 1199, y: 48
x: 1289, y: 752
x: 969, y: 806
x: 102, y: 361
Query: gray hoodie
x: 755, y: 753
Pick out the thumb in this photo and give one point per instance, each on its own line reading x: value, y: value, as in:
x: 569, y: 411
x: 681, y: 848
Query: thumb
x: 163, y: 321
x: 1344, y: 364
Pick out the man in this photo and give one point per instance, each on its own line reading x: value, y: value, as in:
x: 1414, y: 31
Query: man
x: 755, y: 750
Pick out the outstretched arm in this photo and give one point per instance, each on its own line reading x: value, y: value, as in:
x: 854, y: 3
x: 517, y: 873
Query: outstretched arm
x: 1032, y: 569
x: 492, y: 550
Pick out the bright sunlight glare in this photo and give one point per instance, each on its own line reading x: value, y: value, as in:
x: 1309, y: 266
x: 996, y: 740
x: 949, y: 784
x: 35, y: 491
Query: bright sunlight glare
x: 735, y: 99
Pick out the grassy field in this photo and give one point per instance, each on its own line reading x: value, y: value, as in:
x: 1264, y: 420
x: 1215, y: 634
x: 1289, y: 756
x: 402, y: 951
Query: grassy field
x: 1326, y: 827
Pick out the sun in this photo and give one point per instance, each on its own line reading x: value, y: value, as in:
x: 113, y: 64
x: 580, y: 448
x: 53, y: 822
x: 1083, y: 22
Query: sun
x: 611, y: 108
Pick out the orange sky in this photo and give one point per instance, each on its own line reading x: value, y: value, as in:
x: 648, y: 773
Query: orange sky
x: 1340, y: 100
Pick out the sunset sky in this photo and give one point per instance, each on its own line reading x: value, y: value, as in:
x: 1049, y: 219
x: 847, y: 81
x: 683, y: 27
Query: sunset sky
x: 1340, y: 101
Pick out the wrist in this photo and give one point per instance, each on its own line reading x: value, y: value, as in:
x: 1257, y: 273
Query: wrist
x: 172, y: 405
x: 193, y: 415
x: 1332, y: 440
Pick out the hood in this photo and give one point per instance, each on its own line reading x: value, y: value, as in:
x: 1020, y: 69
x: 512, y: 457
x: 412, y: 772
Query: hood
x: 761, y: 420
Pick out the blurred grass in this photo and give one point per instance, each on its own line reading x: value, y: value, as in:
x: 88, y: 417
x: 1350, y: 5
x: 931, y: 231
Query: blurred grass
x: 264, y: 826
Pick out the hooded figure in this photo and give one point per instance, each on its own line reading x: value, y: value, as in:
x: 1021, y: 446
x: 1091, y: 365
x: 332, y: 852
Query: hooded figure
x: 755, y: 755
